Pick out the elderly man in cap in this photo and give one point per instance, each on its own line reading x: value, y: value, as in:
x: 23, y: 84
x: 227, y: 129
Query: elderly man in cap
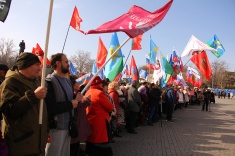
x: 20, y: 97
x: 3, y: 71
x: 98, y: 115
x: 133, y: 107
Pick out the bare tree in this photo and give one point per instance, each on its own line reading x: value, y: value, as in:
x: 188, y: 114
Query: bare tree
x: 219, y: 69
x: 7, y: 53
x: 82, y: 61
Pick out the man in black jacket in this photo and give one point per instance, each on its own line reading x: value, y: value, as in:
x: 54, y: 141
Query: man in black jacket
x: 154, y: 99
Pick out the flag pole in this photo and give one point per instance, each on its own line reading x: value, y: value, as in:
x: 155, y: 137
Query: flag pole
x: 45, y: 58
x: 101, y: 68
x: 65, y: 39
x: 126, y: 59
x: 186, y: 62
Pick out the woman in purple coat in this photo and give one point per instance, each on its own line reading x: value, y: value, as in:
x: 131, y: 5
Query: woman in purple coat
x: 84, y: 129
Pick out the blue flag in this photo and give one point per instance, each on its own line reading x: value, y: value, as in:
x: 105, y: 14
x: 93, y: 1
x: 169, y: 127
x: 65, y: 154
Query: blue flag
x: 143, y: 73
x: 72, y: 69
x: 115, y: 65
x: 216, y: 44
x: 153, y: 52
x: 95, y: 69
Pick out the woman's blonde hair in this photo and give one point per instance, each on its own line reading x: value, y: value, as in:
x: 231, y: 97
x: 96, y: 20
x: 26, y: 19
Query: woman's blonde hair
x: 112, y: 85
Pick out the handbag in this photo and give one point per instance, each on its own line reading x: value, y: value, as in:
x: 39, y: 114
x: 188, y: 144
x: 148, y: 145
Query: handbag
x: 72, y: 127
x: 73, y: 130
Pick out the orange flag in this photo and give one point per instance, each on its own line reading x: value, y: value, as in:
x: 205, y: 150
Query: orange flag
x: 136, y: 43
x: 203, y: 64
x: 39, y: 52
x: 134, y: 74
x: 101, y: 54
x: 76, y: 20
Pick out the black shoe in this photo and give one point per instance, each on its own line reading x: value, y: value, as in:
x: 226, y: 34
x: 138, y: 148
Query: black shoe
x: 112, y: 141
x: 118, y: 135
x: 132, y: 132
x: 119, y: 130
x: 150, y: 124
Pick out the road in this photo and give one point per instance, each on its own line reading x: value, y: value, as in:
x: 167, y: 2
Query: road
x: 194, y: 133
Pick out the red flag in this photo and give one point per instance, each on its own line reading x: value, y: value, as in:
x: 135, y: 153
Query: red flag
x: 76, y: 20
x: 39, y: 52
x: 136, y: 43
x: 181, y: 65
x: 134, y: 74
x: 203, y: 64
x: 135, y: 22
x: 193, y: 77
x: 118, y: 77
x: 193, y: 82
x: 101, y: 55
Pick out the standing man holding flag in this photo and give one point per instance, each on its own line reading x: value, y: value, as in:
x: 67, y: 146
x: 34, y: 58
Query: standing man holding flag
x: 20, y: 96
x: 60, y: 103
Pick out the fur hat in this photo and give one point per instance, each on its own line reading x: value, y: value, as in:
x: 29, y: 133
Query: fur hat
x: 26, y: 60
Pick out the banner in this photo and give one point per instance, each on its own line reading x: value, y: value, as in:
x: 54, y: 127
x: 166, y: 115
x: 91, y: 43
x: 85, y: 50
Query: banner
x: 4, y: 9
x: 135, y: 22
x: 203, y: 64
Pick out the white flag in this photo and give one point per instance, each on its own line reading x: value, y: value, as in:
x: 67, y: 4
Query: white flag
x: 195, y: 44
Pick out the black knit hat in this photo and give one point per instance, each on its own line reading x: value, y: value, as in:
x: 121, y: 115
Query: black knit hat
x: 26, y: 60
x: 4, y: 67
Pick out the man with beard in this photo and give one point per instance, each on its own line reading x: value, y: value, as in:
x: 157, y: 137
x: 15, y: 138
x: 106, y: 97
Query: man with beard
x: 60, y: 104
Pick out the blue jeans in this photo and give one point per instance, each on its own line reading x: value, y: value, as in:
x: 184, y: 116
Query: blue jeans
x: 151, y: 113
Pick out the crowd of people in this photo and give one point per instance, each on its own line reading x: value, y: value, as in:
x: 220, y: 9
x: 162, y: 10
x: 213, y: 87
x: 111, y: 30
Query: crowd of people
x: 98, y: 114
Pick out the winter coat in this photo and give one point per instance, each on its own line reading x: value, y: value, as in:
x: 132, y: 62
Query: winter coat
x: 20, y: 107
x: 57, y: 105
x: 134, y: 100
x: 170, y: 97
x: 84, y: 129
x: 154, y: 96
x: 98, y: 115
x: 114, y: 95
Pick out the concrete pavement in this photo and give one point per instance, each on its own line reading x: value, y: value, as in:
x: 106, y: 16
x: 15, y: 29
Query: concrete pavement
x: 194, y: 133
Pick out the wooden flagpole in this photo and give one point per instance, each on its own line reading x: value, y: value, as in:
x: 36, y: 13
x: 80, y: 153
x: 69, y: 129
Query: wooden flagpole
x: 89, y: 83
x: 45, y: 58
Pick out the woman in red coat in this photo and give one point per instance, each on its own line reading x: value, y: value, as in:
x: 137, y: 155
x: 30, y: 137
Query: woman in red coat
x: 98, y: 144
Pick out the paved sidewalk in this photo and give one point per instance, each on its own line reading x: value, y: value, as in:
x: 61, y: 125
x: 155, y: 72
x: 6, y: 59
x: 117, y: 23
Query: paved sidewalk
x: 194, y: 133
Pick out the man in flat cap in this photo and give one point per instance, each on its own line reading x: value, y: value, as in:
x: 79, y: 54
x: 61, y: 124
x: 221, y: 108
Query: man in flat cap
x: 20, y: 97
